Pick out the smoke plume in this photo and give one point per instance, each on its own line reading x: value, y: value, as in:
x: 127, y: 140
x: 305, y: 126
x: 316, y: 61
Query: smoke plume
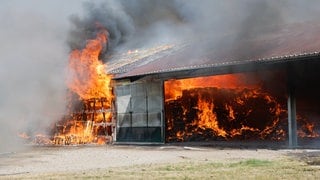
x: 141, y: 23
x: 33, y: 58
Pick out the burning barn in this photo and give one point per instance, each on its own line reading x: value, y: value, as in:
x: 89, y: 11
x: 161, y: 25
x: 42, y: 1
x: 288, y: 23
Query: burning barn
x: 265, y: 89
x: 255, y: 83
x: 183, y: 71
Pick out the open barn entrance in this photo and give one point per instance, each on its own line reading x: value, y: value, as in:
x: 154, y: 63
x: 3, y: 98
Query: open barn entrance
x: 242, y: 106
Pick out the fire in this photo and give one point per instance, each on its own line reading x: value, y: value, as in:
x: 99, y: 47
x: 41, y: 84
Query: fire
x: 233, y: 106
x: 90, y: 116
x: 307, y: 129
x: 208, y: 118
x: 174, y: 88
x: 86, y: 71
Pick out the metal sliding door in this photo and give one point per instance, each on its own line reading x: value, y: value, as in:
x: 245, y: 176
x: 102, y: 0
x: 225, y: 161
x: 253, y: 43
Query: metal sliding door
x: 139, y: 112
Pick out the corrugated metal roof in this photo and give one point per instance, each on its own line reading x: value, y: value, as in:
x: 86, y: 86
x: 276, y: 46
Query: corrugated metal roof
x: 291, y: 42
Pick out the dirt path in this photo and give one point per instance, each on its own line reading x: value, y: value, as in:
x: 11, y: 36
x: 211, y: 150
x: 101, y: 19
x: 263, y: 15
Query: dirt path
x: 73, y: 159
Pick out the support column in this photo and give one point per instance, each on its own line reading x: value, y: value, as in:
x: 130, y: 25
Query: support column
x: 292, y: 117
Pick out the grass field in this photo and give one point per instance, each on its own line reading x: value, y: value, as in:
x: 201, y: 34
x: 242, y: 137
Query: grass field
x: 287, y: 168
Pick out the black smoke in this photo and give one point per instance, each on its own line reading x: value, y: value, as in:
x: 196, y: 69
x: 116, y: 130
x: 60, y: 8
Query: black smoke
x: 125, y: 20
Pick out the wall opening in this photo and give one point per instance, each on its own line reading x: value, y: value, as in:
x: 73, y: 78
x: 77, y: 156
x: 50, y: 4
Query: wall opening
x: 242, y: 106
x: 307, y: 87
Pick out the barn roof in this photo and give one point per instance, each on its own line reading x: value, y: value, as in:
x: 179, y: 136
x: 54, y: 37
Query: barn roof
x: 284, y: 44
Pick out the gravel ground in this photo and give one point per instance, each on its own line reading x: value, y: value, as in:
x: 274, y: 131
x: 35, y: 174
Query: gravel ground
x: 83, y: 158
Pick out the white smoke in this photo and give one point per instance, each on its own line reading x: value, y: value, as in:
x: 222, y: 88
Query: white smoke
x: 33, y: 58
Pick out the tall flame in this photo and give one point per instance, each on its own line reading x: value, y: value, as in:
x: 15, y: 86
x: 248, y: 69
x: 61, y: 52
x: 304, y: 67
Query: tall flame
x: 88, y: 80
x: 86, y: 71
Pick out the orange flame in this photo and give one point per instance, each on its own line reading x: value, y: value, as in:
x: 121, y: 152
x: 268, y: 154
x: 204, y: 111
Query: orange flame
x: 226, y: 106
x: 174, y: 88
x: 86, y: 71
x: 90, y: 82
x: 208, y: 118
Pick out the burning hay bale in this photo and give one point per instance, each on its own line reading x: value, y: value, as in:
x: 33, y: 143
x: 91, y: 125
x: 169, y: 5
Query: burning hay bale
x: 217, y: 113
x: 239, y: 106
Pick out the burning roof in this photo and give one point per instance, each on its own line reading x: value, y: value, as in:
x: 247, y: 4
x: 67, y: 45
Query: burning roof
x: 283, y: 44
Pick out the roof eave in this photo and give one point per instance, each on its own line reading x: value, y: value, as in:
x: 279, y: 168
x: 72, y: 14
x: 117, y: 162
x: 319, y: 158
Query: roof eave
x: 216, y: 68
